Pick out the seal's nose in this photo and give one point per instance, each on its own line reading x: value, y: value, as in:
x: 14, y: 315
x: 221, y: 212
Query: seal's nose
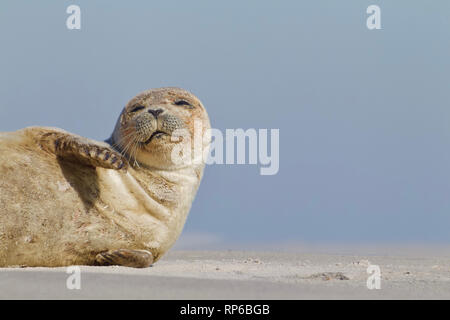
x: 155, y: 112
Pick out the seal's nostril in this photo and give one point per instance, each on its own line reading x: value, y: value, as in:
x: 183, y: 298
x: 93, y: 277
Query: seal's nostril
x: 155, y: 112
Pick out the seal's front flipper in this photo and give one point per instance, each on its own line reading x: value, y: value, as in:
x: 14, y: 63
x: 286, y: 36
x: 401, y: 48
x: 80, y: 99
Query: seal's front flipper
x: 76, y: 148
x: 125, y: 257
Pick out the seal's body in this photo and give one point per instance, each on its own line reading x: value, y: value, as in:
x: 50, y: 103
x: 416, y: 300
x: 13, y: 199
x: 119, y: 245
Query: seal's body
x: 66, y: 200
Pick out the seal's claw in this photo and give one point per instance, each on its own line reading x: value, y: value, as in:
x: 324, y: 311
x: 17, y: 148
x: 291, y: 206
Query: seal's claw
x: 105, y: 157
x: 125, y: 257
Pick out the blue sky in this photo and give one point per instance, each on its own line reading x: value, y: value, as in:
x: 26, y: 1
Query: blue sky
x: 363, y: 114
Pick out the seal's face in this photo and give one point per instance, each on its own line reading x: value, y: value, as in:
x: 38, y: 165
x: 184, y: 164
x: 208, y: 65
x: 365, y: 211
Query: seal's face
x: 150, y: 125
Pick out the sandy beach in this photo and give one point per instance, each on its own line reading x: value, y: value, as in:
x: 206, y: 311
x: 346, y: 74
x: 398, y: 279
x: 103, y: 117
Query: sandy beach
x: 231, y: 274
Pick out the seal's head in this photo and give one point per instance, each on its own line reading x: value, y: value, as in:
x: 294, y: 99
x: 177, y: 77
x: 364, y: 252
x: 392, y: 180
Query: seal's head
x: 160, y: 127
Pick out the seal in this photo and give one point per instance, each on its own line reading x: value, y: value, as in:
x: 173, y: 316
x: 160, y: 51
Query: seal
x: 68, y: 200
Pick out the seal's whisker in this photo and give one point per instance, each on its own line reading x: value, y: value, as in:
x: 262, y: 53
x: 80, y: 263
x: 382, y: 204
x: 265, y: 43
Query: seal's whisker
x: 136, y: 148
x: 124, y: 149
x: 133, y: 152
x: 118, y: 146
x: 132, y: 149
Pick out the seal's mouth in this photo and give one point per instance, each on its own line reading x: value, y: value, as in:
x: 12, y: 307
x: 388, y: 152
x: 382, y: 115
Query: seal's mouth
x: 156, y: 134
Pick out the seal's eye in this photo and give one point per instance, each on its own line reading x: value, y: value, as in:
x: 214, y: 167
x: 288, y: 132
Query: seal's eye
x: 183, y: 103
x: 137, y: 108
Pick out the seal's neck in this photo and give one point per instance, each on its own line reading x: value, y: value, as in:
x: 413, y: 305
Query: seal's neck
x: 186, y: 176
